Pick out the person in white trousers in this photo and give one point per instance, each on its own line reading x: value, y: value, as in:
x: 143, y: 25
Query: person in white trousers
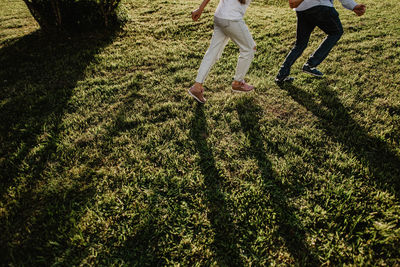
x: 228, y: 25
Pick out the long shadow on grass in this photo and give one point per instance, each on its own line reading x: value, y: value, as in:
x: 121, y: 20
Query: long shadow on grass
x: 337, y: 123
x: 225, y: 243
x: 37, y: 77
x: 289, y: 227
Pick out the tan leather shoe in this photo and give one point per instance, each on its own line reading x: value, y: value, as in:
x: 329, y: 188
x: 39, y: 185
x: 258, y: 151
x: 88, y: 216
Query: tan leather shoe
x: 197, y: 94
x: 241, y: 86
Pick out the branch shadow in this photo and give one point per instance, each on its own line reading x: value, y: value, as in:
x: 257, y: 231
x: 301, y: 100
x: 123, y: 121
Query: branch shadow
x: 336, y: 121
x: 38, y: 75
x: 289, y: 227
x: 225, y: 243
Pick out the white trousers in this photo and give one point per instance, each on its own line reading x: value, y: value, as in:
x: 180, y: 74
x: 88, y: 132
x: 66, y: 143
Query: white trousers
x: 237, y: 31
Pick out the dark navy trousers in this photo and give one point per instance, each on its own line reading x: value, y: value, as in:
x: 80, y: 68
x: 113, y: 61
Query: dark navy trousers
x: 324, y: 17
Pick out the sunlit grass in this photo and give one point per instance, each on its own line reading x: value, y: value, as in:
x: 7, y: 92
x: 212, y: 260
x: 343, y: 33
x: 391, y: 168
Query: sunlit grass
x: 106, y: 160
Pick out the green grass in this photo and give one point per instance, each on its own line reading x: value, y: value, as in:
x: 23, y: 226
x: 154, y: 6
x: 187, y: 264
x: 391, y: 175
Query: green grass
x: 106, y: 160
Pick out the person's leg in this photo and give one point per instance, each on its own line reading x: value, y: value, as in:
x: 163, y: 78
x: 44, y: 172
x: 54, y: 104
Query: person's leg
x: 328, y: 21
x: 305, y: 26
x: 214, y: 52
x: 239, y: 33
x: 241, y: 36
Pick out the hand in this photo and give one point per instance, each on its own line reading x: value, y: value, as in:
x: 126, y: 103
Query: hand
x: 359, y: 10
x: 196, y: 14
x: 294, y: 3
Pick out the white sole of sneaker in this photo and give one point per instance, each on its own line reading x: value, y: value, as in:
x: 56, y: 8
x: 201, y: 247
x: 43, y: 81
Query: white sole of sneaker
x: 195, y: 97
x: 315, y: 75
x: 286, y: 80
x: 239, y: 91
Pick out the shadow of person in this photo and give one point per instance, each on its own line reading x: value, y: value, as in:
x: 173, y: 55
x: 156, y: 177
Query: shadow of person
x: 37, y: 77
x: 225, y: 244
x: 372, y: 152
x: 289, y: 227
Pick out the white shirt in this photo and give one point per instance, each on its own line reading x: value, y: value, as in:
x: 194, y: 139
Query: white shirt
x: 307, y: 4
x: 231, y: 9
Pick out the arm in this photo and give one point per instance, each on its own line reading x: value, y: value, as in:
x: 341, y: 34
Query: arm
x: 348, y: 4
x: 351, y: 5
x: 197, y: 13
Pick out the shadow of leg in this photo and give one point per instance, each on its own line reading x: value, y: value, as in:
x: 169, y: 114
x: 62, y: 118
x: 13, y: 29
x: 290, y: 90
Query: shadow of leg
x: 335, y: 120
x: 225, y: 243
x: 290, y: 229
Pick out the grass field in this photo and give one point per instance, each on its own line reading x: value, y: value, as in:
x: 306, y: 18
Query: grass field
x: 106, y: 160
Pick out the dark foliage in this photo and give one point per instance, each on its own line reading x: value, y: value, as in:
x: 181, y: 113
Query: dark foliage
x: 74, y: 15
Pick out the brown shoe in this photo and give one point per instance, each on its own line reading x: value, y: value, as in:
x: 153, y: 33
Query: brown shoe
x: 241, y: 86
x: 197, y: 94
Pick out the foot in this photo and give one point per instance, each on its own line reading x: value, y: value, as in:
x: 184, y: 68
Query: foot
x: 196, y: 91
x: 241, y: 86
x: 286, y: 79
x: 312, y: 70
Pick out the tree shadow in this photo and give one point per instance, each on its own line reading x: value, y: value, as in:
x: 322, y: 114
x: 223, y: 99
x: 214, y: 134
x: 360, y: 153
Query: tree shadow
x: 38, y: 75
x: 335, y: 119
x: 225, y: 241
x: 289, y: 227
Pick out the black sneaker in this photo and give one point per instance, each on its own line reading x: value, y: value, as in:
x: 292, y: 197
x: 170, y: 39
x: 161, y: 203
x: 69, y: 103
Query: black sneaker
x: 286, y: 79
x: 312, y: 71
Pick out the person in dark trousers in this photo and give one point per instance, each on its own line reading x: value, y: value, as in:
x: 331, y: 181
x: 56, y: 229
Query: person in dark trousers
x: 311, y: 14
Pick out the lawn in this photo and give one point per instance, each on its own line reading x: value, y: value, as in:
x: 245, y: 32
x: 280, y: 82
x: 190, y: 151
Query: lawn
x: 106, y: 160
